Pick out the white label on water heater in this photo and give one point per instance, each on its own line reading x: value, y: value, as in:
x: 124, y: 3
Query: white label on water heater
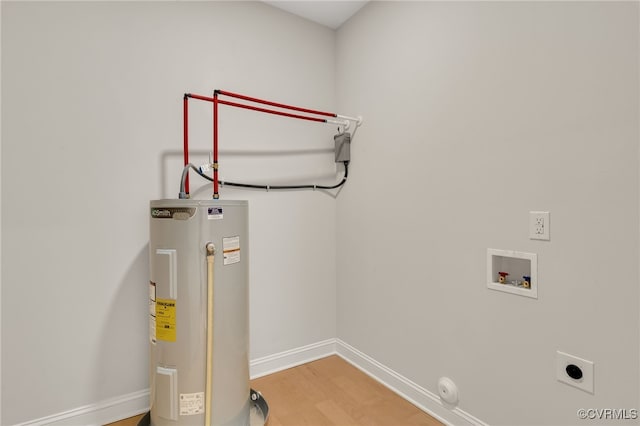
x: 214, y: 213
x: 191, y: 403
x: 231, y: 250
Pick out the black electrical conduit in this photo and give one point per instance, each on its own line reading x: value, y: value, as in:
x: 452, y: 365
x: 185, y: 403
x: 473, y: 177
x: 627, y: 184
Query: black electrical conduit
x: 185, y: 172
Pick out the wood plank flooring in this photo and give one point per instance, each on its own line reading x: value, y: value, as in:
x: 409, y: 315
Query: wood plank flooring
x: 131, y: 421
x: 330, y: 392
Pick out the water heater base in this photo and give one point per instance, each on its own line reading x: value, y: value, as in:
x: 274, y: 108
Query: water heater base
x: 258, y: 415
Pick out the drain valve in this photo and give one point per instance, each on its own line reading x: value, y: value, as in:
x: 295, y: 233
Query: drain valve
x: 448, y: 390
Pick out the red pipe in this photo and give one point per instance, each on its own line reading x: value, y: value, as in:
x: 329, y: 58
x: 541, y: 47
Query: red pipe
x: 215, y: 146
x: 275, y: 104
x: 271, y: 111
x: 185, y: 112
x: 202, y: 98
x: 216, y: 102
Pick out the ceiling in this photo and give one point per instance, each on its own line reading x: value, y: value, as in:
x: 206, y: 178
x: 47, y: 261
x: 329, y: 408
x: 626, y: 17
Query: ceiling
x: 329, y: 13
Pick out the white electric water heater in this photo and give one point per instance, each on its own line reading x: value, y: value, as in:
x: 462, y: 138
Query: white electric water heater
x: 198, y: 313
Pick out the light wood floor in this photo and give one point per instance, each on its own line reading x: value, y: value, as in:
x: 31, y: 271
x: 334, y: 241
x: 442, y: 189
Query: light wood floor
x: 328, y: 392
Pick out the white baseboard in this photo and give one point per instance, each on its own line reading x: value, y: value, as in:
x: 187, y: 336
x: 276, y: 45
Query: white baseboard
x: 100, y: 413
x: 138, y: 402
x: 281, y: 361
x: 412, y: 392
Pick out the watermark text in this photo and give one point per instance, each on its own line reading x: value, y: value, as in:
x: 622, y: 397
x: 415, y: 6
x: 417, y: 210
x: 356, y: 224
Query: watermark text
x: 608, y: 413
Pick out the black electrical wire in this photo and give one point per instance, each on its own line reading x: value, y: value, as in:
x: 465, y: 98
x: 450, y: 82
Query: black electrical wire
x: 265, y: 187
x: 281, y: 187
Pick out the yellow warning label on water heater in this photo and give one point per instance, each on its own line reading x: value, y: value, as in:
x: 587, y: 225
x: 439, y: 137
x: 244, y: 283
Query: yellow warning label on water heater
x: 166, y: 320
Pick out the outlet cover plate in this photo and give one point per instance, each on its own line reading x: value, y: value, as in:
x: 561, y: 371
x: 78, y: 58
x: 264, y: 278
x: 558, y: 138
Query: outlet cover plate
x: 585, y: 383
x: 539, y: 226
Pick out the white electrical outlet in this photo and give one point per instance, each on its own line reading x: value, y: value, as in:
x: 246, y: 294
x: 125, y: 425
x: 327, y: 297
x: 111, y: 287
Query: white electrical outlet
x: 539, y: 226
x: 574, y: 371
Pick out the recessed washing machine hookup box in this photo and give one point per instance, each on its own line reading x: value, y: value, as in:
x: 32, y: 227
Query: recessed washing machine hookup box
x: 513, y: 272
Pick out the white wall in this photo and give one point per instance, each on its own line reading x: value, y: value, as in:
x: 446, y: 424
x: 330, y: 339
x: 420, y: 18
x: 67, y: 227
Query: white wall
x: 0, y: 220
x: 92, y: 130
x: 477, y: 113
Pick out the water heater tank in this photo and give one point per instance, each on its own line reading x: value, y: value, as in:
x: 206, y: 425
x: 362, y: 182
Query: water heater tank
x: 180, y: 232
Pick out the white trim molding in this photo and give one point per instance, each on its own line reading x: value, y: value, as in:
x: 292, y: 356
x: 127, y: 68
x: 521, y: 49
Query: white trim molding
x: 100, y: 413
x: 422, y: 398
x: 292, y: 358
x: 138, y: 402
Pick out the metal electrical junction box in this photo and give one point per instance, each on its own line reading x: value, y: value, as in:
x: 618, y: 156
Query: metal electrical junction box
x: 343, y: 147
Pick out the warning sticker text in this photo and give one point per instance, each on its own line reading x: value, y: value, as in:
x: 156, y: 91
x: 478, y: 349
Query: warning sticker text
x: 166, y: 320
x: 191, y: 403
